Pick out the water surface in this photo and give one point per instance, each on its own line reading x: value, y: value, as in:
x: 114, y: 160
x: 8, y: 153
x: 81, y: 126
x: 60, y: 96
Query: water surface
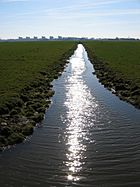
x: 88, y: 137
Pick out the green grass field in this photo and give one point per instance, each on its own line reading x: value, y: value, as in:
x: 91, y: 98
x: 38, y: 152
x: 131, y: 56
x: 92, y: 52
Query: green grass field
x: 27, y: 68
x: 117, y: 65
x: 20, y: 64
x: 120, y: 56
x: 26, y: 72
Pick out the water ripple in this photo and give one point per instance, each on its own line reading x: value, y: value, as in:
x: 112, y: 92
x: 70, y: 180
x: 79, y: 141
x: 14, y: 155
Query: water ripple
x: 80, y: 106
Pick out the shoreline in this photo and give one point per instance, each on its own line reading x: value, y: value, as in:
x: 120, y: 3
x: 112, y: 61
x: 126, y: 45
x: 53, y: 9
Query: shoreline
x: 124, y: 88
x: 19, y: 117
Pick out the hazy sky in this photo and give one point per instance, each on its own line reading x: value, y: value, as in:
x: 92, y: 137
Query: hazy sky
x: 91, y: 18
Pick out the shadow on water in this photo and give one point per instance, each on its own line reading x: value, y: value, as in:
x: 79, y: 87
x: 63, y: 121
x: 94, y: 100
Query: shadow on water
x: 88, y: 138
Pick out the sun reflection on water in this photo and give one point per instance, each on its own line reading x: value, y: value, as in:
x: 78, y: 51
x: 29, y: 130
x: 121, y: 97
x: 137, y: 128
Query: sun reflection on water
x: 80, y: 105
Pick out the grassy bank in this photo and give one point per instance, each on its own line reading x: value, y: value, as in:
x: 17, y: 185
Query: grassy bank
x: 117, y: 65
x: 26, y: 71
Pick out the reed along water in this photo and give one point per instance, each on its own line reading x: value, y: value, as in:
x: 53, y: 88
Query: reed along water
x: 88, y: 137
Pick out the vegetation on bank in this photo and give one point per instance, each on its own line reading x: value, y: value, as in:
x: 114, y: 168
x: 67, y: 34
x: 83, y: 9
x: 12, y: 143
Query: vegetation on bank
x: 26, y: 72
x: 117, y: 65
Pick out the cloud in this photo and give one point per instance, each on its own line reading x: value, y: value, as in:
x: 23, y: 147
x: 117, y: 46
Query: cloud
x: 84, y: 6
x: 82, y: 9
x: 78, y: 11
x: 10, y: 1
x: 59, y: 15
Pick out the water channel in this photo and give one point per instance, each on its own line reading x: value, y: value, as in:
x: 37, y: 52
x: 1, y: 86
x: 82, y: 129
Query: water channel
x: 89, y: 137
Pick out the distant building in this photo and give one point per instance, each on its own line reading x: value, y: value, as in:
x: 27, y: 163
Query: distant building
x: 60, y: 37
x: 35, y: 37
x: 51, y: 38
x: 28, y: 38
x: 43, y: 38
x: 20, y: 38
